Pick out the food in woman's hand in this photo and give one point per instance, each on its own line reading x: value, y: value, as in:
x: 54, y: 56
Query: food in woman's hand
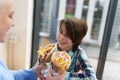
x: 60, y: 61
x: 45, y: 53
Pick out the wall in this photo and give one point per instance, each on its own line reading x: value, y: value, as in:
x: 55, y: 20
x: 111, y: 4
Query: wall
x: 3, y: 54
x: 18, y: 49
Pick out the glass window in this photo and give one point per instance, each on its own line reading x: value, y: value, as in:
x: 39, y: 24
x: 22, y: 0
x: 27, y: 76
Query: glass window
x: 85, y: 9
x: 45, y: 18
x: 49, y: 21
x: 70, y: 8
x: 112, y: 65
x: 97, y: 19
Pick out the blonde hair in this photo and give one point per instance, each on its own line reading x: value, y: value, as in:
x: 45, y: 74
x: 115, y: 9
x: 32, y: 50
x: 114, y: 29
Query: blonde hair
x: 3, y: 3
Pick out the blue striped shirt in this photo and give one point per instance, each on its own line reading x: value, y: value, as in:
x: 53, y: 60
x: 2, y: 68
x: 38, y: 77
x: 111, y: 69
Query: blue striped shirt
x: 80, y: 68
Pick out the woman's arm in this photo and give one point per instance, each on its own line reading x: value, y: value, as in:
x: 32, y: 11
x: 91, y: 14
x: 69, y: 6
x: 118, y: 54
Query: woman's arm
x: 24, y: 74
x: 29, y: 74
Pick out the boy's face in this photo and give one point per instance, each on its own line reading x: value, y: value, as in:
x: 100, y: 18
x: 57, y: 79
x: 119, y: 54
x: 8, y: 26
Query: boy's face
x: 64, y: 42
x: 6, y: 21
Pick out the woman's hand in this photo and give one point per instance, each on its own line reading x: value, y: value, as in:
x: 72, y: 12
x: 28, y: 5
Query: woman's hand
x: 37, y: 68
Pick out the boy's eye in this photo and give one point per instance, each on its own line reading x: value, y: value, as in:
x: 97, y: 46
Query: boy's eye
x: 60, y: 31
x: 66, y: 35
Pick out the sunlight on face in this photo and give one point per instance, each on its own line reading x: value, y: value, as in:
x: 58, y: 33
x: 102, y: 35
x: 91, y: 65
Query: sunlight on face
x: 6, y: 20
x: 64, y: 42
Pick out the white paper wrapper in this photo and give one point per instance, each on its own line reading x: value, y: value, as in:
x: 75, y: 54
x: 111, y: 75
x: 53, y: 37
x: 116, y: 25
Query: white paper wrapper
x: 44, y: 72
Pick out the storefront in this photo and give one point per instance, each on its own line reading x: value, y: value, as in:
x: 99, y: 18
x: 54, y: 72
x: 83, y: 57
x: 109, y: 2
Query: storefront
x: 93, y: 11
x: 48, y: 13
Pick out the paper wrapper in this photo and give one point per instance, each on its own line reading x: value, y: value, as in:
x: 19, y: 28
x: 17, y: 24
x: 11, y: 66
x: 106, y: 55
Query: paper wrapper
x: 44, y: 72
x: 60, y: 61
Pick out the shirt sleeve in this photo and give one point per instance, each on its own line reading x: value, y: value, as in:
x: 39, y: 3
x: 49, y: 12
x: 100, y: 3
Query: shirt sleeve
x: 85, y: 69
x: 24, y: 74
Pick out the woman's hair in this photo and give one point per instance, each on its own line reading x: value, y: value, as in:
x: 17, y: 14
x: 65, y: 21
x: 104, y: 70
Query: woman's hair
x: 76, y: 30
x: 3, y: 3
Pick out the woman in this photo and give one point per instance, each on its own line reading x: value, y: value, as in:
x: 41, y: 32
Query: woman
x: 6, y: 22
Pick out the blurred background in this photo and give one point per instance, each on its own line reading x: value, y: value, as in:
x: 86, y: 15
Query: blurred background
x: 36, y: 24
